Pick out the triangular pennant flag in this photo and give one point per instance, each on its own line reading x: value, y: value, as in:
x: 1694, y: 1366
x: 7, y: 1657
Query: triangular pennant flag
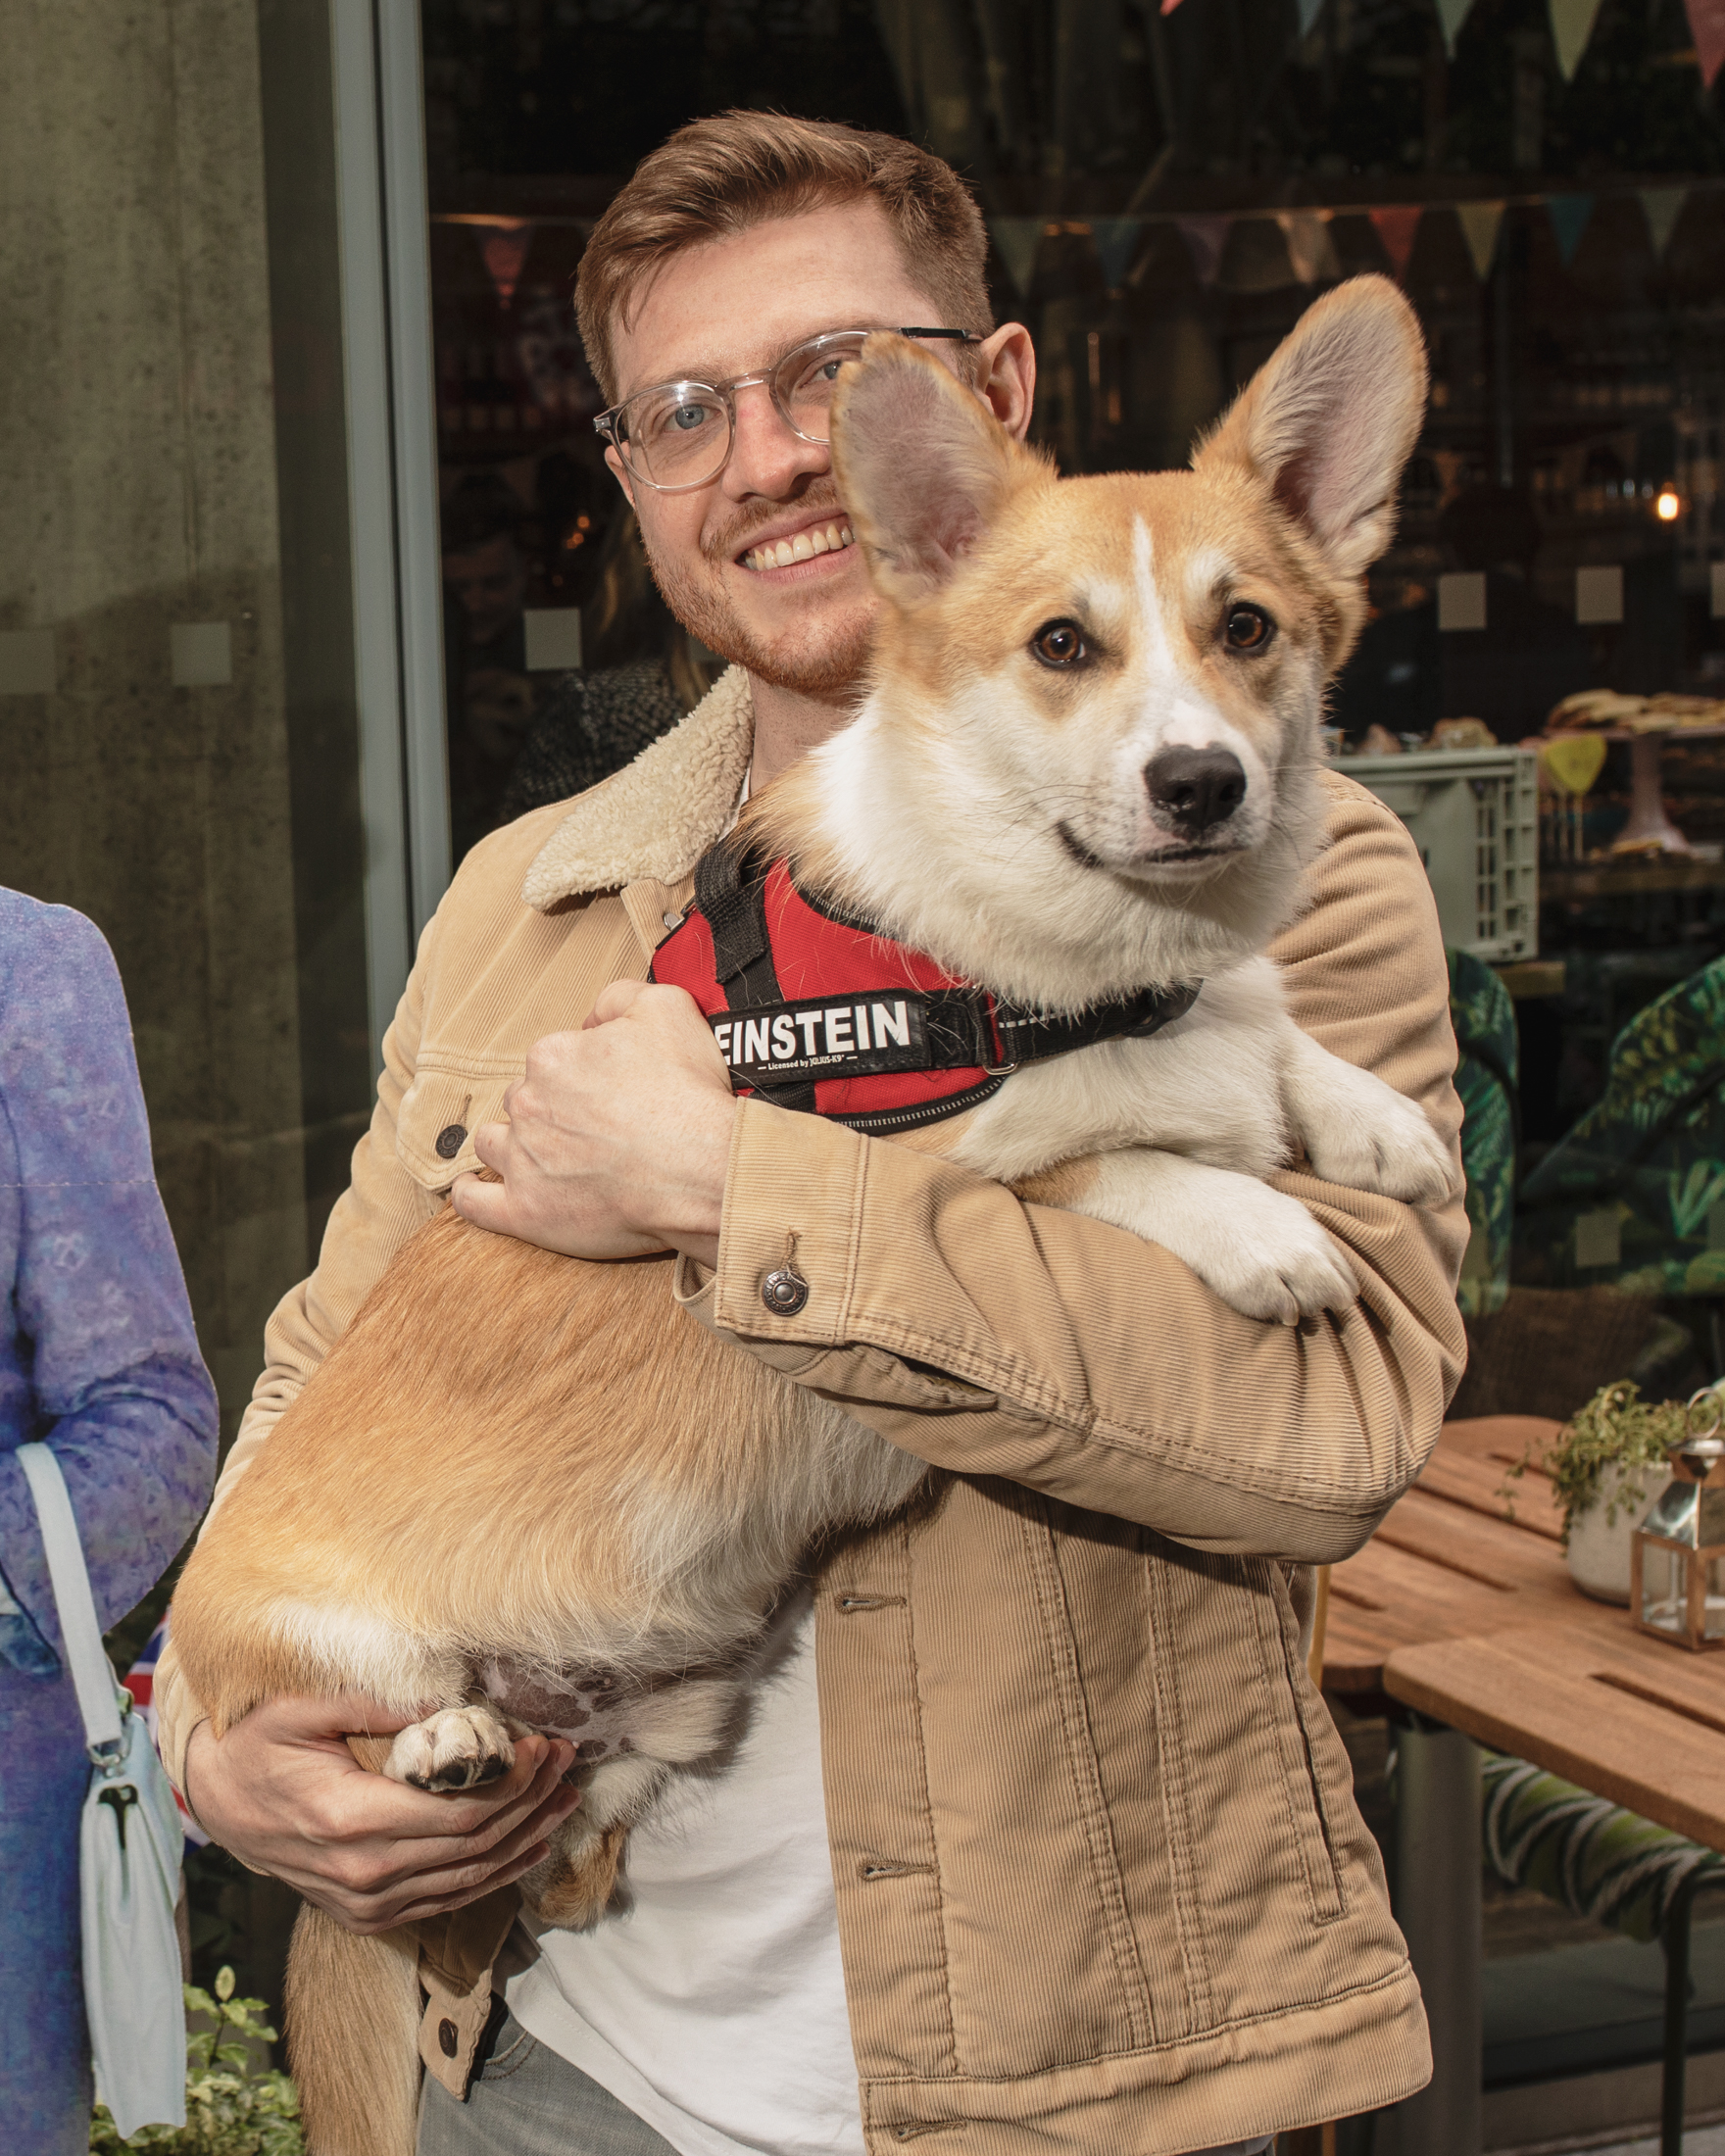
x: 1481, y: 222
x: 1572, y: 24
x: 1168, y: 5
x: 1706, y: 21
x: 1311, y: 248
x: 1662, y: 207
x: 505, y: 249
x: 1309, y: 11
x: 1116, y: 242
x: 1398, y: 226
x: 1569, y: 215
x: 1016, y: 240
x: 1206, y: 236
x: 1451, y: 14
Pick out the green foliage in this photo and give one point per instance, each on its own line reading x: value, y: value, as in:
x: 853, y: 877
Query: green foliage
x: 1650, y: 1151
x: 1616, y: 1429
x: 234, y: 2105
x: 1486, y: 1076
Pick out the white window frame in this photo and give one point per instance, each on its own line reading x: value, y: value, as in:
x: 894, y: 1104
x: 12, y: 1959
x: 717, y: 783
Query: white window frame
x: 392, y: 477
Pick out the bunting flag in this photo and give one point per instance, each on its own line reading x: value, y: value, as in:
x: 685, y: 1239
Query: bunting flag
x: 1309, y: 11
x: 1397, y: 227
x: 1572, y: 24
x: 1311, y: 248
x: 1662, y: 207
x: 1451, y: 14
x: 1206, y: 237
x: 505, y: 249
x: 1116, y: 242
x: 1016, y: 241
x: 1168, y: 5
x: 1706, y: 20
x: 1569, y: 215
x: 1481, y: 222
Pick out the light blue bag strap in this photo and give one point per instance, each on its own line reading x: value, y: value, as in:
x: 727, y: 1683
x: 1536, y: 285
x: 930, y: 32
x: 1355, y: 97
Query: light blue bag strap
x: 92, y: 1676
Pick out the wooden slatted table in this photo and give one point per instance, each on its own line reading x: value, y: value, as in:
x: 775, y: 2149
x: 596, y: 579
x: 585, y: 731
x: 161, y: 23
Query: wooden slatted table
x: 1462, y: 1609
x: 1625, y: 1716
x: 1456, y: 1557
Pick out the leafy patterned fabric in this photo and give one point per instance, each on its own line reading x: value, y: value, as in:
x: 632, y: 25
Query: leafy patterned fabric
x: 1487, y: 1074
x: 1582, y: 1850
x: 1634, y: 1195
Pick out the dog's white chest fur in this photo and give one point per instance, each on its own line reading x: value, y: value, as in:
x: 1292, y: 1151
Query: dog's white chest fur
x: 1176, y: 1133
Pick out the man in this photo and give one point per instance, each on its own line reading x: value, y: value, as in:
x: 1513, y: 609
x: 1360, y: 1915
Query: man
x: 1089, y: 1874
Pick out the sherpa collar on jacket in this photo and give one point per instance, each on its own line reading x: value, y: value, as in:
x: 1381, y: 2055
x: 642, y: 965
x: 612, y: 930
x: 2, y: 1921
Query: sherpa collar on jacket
x: 658, y: 815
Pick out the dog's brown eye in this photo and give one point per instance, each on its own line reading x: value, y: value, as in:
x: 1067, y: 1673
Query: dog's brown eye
x: 1060, y: 644
x: 1249, y: 628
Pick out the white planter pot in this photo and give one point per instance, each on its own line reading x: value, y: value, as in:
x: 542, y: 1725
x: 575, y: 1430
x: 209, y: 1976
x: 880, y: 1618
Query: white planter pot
x: 1599, y: 1555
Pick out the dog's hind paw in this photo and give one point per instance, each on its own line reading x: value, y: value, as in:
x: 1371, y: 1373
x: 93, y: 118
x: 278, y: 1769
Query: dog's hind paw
x: 458, y: 1749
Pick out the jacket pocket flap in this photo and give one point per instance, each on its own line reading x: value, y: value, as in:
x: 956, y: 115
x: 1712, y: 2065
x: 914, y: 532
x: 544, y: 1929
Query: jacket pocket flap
x: 439, y: 1113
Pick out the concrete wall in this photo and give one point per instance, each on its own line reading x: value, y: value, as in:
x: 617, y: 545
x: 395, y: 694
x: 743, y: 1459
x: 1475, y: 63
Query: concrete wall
x: 139, y: 448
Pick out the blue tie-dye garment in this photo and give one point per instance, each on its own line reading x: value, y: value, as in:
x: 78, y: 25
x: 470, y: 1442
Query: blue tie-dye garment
x: 98, y: 1359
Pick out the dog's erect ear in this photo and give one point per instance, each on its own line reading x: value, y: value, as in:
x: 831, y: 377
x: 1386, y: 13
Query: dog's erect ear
x: 922, y: 466
x: 1331, y: 417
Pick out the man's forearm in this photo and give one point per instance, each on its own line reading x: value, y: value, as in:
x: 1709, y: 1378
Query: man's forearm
x: 995, y: 1338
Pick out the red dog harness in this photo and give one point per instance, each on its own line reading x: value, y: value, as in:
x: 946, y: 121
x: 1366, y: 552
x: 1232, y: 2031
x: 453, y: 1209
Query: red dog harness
x: 814, y: 1010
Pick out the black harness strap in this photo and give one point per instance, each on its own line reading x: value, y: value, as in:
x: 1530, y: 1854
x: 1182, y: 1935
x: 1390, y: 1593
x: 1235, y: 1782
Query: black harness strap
x: 735, y: 911
x: 1029, y: 1035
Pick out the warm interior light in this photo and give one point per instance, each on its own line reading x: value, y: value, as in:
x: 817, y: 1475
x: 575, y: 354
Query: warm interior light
x: 1667, y: 508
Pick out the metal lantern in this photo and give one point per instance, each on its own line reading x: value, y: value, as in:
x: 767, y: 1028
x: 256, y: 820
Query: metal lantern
x: 1677, y: 1554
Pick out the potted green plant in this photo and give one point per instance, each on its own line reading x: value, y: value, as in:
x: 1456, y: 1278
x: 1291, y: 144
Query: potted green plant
x: 1606, y: 1466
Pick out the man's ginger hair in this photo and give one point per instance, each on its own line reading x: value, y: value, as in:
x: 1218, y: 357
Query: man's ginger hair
x: 740, y: 168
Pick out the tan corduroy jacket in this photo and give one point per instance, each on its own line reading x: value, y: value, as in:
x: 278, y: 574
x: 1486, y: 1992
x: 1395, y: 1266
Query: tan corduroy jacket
x: 1102, y: 1886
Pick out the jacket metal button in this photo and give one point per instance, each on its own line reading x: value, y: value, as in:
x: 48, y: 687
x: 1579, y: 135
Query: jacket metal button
x: 784, y: 1291
x: 450, y: 1140
x: 448, y: 2038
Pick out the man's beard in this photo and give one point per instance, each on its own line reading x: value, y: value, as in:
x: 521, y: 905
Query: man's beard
x: 820, y: 657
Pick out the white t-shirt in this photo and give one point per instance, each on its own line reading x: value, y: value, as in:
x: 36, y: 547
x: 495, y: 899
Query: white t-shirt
x: 714, y: 2009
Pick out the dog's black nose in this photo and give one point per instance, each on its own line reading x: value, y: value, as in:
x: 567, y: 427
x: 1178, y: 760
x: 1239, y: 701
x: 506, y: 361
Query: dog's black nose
x: 1196, y: 788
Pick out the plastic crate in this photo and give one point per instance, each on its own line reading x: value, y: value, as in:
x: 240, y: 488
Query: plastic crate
x: 1476, y: 816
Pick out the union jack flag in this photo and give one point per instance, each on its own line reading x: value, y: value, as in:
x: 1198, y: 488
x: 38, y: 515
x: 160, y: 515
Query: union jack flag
x: 140, y: 1681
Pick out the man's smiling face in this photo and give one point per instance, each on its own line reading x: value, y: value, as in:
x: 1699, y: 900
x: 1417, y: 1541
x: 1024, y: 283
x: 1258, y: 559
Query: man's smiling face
x: 730, y: 308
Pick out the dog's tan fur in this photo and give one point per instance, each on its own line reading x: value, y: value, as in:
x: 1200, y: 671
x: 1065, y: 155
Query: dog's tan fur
x: 525, y: 1489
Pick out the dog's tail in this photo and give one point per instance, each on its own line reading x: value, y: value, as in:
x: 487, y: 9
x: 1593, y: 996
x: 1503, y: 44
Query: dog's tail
x: 353, y: 2017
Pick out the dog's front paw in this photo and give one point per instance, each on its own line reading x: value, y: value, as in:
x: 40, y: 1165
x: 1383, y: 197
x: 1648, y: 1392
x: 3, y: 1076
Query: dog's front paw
x: 1276, y: 1264
x: 1391, y: 1150
x: 457, y: 1750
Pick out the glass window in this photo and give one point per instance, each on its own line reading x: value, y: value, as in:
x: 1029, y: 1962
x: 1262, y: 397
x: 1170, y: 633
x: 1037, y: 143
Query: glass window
x: 178, y: 749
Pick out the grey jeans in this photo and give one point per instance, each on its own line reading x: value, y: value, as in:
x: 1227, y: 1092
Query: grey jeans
x: 527, y: 2101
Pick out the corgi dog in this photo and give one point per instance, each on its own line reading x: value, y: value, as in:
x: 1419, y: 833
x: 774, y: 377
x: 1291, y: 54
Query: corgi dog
x: 523, y: 1491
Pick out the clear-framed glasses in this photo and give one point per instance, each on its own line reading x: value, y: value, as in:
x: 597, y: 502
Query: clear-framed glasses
x: 678, y: 435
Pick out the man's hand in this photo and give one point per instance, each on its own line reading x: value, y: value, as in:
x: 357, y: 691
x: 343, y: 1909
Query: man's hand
x: 617, y: 1136
x: 282, y: 1791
